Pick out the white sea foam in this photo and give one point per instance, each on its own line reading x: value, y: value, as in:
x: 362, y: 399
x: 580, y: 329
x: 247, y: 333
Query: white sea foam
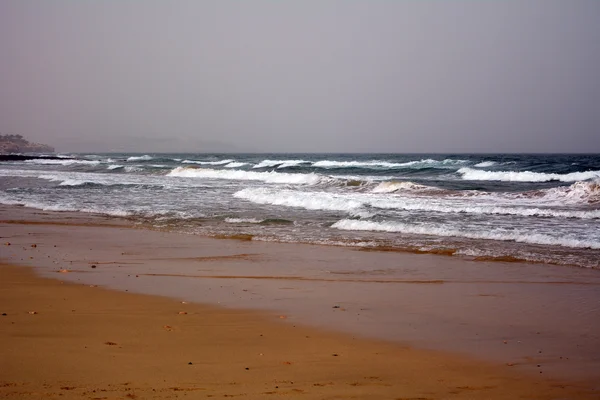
x: 235, y: 164
x: 279, y: 163
x: 133, y: 168
x: 64, y: 207
x: 140, y: 158
x: 268, y: 177
x: 356, y: 203
x: 114, y: 166
x: 243, y: 220
x: 491, y: 234
x: 484, y: 164
x: 78, y: 179
x: 360, y: 164
x: 376, y: 164
x: 62, y: 162
x: 72, y: 182
x: 471, y: 174
x: 221, y: 162
x: 395, y: 186
x: 578, y: 192
x: 292, y: 198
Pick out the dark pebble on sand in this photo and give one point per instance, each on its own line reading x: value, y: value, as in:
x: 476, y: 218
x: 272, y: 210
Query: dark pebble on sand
x: 335, y: 355
x: 247, y: 369
x: 4, y: 314
x: 336, y: 306
x: 93, y: 266
x: 190, y: 363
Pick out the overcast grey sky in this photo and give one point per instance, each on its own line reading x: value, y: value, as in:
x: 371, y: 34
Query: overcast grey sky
x: 295, y: 76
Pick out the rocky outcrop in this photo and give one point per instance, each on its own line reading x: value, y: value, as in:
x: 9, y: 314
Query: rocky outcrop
x: 17, y: 144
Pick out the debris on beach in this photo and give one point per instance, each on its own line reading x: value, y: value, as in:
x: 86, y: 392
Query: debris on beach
x: 7, y: 244
x: 63, y: 271
x: 34, y: 245
x: 110, y: 343
x: 182, y: 312
x: 33, y: 312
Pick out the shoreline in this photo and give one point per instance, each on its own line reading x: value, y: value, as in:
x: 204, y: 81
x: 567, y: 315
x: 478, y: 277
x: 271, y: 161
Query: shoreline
x: 495, y: 312
x: 74, y: 341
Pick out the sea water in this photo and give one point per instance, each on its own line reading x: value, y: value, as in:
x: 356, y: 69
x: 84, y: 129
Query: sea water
x: 534, y: 208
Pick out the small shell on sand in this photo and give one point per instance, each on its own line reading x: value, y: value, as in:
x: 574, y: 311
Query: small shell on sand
x: 63, y: 271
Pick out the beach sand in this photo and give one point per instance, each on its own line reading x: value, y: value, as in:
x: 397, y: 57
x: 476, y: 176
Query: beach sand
x: 241, y: 333
x: 62, y: 340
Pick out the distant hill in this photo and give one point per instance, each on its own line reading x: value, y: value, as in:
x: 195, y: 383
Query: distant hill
x: 17, y: 144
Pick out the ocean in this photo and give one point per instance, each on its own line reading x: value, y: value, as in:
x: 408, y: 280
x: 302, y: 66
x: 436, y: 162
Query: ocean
x: 517, y: 207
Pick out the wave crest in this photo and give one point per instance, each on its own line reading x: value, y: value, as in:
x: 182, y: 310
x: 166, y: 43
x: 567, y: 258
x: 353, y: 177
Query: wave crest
x: 279, y: 163
x: 471, y: 174
x: 578, y: 192
x: 268, y: 177
x: 140, y: 158
x: 221, y: 162
x: 395, y: 186
x: 440, y: 230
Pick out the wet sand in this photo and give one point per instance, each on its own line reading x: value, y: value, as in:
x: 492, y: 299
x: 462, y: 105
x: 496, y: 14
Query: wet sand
x: 516, y: 322
x: 66, y: 341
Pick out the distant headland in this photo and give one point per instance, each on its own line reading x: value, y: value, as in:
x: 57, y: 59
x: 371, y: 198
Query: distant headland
x: 18, y: 144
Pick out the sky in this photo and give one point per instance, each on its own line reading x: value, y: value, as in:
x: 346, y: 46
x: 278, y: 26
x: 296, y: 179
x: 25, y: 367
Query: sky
x: 399, y: 76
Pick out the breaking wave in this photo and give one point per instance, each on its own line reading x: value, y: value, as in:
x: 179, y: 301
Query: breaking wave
x: 578, y: 192
x: 243, y: 220
x: 441, y: 230
x: 279, y: 163
x: 376, y: 164
x: 396, y: 186
x: 140, y: 158
x: 63, y: 162
x: 235, y: 164
x: 353, y: 202
x: 306, y: 200
x: 471, y: 174
x: 66, y: 207
x: 268, y: 177
x: 221, y: 162
x: 484, y: 164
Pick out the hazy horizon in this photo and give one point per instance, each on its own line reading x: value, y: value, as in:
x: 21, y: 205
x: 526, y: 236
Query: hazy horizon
x: 294, y: 77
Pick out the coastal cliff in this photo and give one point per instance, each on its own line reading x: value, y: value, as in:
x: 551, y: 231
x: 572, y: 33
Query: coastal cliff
x: 18, y: 144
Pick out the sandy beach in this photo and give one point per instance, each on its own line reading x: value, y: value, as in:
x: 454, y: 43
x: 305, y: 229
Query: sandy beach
x: 221, y: 318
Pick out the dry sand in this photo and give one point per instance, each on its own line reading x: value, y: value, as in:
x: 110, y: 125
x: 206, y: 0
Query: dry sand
x: 63, y: 340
